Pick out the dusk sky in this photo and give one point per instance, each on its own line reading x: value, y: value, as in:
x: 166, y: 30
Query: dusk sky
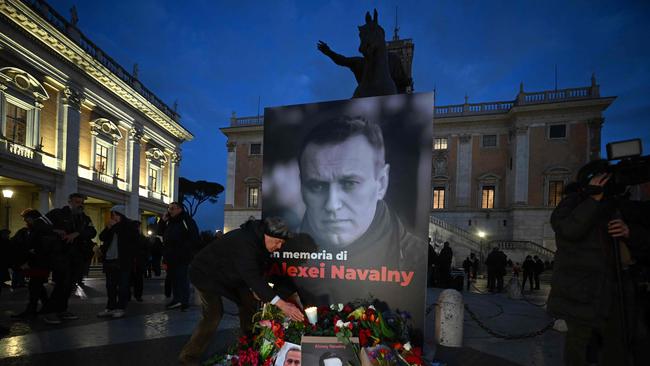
x: 216, y: 57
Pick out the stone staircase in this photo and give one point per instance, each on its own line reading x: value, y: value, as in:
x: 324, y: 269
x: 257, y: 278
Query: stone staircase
x: 463, y: 243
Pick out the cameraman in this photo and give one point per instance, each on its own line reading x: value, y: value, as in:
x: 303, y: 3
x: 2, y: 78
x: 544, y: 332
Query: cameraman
x: 584, y: 285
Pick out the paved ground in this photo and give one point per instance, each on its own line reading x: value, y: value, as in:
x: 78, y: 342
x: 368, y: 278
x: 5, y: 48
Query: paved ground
x: 149, y: 335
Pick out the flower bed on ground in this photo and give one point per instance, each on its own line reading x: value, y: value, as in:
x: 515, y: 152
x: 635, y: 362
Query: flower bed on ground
x: 383, y: 335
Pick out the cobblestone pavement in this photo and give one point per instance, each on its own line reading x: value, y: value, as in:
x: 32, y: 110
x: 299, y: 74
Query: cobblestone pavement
x: 149, y: 335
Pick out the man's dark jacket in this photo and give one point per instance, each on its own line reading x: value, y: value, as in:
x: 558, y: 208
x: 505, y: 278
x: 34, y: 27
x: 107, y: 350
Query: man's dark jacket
x: 496, y: 262
x: 63, y: 219
x: 582, y: 283
x: 180, y: 236
x: 34, y: 246
x: 529, y: 266
x: 237, y: 261
x: 128, y: 242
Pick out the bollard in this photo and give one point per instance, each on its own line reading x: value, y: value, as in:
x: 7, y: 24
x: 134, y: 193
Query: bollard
x: 514, y: 289
x: 449, y: 319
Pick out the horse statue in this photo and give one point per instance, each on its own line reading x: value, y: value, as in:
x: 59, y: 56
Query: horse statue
x: 377, y: 72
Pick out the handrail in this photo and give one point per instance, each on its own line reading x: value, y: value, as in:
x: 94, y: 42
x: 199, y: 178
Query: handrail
x: 522, y: 244
x: 455, y: 229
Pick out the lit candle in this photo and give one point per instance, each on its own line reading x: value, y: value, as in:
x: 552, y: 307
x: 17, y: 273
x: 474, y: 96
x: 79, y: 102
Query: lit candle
x: 312, y: 315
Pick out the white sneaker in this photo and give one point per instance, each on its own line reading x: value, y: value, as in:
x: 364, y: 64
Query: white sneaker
x: 107, y: 313
x: 118, y: 313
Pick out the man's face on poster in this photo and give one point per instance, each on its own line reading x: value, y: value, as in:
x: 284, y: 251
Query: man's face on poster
x: 292, y: 358
x: 341, y: 184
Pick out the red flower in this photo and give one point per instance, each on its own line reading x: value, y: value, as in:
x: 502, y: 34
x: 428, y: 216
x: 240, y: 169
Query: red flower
x: 415, y: 356
x: 364, y: 335
x: 347, y: 309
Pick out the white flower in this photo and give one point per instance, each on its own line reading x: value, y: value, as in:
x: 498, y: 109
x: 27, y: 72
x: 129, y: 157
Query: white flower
x: 407, y: 346
x: 341, y: 324
x: 336, y: 307
x: 372, y: 307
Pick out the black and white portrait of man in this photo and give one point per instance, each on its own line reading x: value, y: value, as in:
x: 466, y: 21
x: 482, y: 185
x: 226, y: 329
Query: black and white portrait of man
x: 353, y: 177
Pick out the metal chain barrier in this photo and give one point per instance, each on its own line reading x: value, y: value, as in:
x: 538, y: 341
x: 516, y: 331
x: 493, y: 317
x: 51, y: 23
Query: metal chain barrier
x: 533, y: 303
x: 508, y: 336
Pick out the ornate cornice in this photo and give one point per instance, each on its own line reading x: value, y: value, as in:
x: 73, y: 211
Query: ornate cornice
x: 155, y: 154
x: 61, y: 44
x: 105, y: 127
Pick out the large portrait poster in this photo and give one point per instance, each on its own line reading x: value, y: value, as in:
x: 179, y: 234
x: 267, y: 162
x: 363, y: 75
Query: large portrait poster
x: 353, y: 178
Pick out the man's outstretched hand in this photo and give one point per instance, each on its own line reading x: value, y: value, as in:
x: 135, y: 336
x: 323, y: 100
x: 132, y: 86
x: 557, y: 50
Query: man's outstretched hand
x: 323, y: 47
x: 290, y: 310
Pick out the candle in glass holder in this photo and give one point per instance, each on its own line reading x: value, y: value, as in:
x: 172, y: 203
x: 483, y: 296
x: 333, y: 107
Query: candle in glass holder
x: 312, y: 315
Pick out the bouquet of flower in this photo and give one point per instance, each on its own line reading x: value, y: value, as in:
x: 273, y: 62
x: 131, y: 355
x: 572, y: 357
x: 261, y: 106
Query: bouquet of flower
x: 383, y: 334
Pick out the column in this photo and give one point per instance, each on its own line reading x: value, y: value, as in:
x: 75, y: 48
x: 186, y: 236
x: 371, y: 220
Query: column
x: 464, y: 171
x: 2, y: 109
x: 132, y: 174
x: 68, y: 149
x: 595, y: 127
x: 34, y: 139
x: 522, y: 158
x: 44, y: 200
x: 230, y: 178
x: 173, y: 175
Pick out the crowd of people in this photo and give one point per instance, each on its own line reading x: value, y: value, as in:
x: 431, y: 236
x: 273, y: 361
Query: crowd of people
x: 59, y: 246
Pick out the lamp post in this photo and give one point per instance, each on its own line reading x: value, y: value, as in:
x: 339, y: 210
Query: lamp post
x: 7, y: 194
x: 481, y: 234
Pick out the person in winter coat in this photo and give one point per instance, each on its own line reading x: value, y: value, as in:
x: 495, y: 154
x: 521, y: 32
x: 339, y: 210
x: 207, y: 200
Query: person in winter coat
x: 34, y: 244
x: 119, y: 242
x: 180, y: 238
x: 234, y: 267
x: 76, y: 232
x: 529, y: 270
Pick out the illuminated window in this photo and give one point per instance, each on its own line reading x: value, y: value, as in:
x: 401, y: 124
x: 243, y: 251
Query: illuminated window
x: 16, y: 124
x: 102, y: 155
x: 154, y: 178
x: 555, y: 189
x: 253, y: 196
x: 489, y: 140
x: 440, y: 143
x: 438, y: 198
x: 487, y: 197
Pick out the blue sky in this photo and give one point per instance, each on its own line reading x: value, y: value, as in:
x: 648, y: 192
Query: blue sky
x: 216, y: 57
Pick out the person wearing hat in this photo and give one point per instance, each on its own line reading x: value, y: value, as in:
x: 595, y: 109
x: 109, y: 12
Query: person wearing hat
x: 234, y: 267
x: 119, y: 242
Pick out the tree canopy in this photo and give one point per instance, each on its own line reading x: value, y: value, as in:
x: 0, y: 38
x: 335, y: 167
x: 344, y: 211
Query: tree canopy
x: 194, y: 194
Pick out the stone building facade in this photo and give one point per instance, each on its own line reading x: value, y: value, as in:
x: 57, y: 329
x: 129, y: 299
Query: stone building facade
x: 498, y: 169
x: 73, y: 120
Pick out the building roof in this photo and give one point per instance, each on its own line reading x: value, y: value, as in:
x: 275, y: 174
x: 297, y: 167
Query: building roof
x: 41, y: 21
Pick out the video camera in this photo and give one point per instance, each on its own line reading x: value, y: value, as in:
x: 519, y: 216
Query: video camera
x: 632, y: 168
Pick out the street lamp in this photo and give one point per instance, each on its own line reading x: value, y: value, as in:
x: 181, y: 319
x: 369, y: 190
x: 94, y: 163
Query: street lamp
x: 481, y: 234
x: 7, y: 194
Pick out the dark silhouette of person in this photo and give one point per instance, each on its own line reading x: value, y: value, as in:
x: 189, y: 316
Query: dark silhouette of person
x: 446, y: 255
x: 467, y: 267
x: 529, y: 271
x: 539, y: 268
